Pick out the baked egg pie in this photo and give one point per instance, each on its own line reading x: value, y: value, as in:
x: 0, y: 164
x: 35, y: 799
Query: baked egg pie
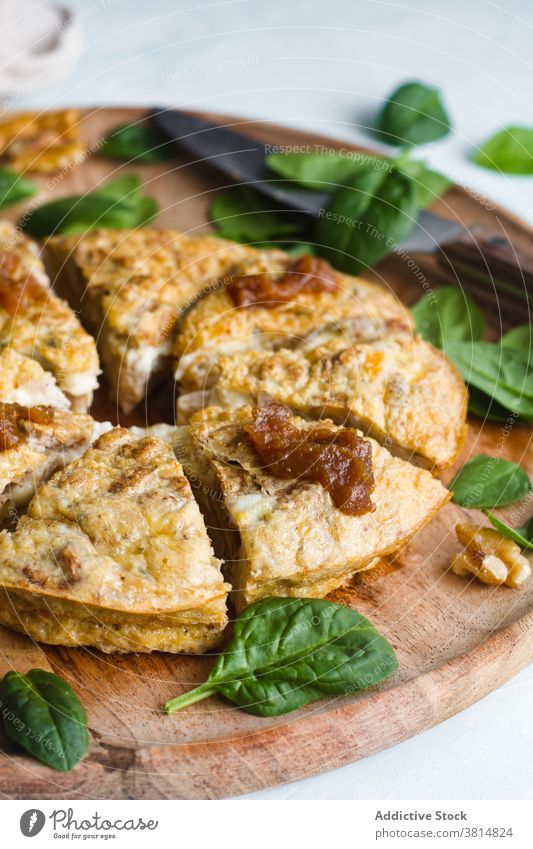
x: 113, y: 553
x: 394, y: 388
x: 294, y: 508
x: 35, y: 322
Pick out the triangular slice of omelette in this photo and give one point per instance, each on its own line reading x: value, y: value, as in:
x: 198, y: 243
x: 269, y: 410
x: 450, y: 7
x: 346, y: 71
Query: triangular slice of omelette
x: 113, y: 553
x: 131, y: 288
x: 288, y: 537
x: 36, y: 323
x: 398, y: 389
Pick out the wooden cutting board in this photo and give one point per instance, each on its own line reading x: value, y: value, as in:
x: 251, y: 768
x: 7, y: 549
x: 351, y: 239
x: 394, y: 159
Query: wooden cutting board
x: 456, y: 640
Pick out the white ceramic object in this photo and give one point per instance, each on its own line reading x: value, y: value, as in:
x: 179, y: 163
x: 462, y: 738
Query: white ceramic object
x: 39, y: 42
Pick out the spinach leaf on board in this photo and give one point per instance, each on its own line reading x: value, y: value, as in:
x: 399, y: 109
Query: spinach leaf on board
x: 499, y: 375
x: 118, y: 204
x: 42, y: 713
x: 365, y: 222
x: 287, y: 652
x: 323, y: 172
x: 509, y: 151
x: 522, y: 536
x: 332, y: 170
x: 489, y: 482
x: 520, y: 338
x: 140, y: 142
x: 429, y: 184
x: 119, y: 188
x: 242, y: 215
x: 485, y: 407
x: 448, y: 314
x: 297, y: 249
x: 14, y: 188
x: 504, y: 374
x: 413, y: 114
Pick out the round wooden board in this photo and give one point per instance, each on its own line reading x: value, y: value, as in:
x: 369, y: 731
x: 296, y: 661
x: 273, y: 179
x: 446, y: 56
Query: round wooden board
x: 456, y: 640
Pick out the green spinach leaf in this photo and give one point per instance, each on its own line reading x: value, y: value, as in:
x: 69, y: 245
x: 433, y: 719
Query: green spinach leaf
x: 482, y: 405
x: 118, y: 204
x: 324, y: 172
x: 509, y: 151
x: 489, y: 482
x: 42, y: 713
x: 330, y: 171
x: 14, y: 188
x: 520, y: 338
x: 522, y: 536
x: 413, y: 114
x: 504, y: 374
x: 242, y: 215
x: 140, y: 142
x: 448, y: 314
x: 365, y: 222
x: 429, y: 184
x: 129, y: 185
x: 287, y: 652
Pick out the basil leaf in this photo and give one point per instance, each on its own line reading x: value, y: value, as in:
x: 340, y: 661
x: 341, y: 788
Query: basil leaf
x: 287, y: 652
x: 489, y: 482
x: 504, y: 374
x: 413, y: 114
x: 329, y: 171
x: 448, y: 314
x: 523, y: 536
x: 241, y: 215
x: 509, y: 151
x: 365, y: 222
x: 520, y: 338
x: 117, y: 205
x: 14, y: 188
x: 140, y: 142
x: 42, y: 713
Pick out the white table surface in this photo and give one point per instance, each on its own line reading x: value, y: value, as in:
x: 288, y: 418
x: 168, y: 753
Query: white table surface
x: 325, y: 65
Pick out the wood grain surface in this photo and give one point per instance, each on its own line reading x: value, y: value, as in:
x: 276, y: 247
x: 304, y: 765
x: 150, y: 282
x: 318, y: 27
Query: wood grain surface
x: 456, y: 640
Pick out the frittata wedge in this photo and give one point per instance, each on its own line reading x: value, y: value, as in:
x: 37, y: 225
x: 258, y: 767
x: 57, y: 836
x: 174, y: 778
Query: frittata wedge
x: 113, y: 553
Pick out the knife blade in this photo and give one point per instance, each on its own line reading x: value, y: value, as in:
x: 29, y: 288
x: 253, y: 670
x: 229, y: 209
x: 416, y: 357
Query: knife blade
x: 243, y: 160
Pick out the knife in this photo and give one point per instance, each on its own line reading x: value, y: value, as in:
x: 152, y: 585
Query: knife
x: 488, y: 260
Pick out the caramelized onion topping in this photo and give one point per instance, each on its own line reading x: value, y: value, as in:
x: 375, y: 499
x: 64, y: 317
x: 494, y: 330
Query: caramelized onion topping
x: 14, y: 420
x: 339, y: 460
x: 307, y: 274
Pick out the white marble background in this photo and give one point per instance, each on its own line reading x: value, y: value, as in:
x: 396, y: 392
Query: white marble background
x: 326, y: 65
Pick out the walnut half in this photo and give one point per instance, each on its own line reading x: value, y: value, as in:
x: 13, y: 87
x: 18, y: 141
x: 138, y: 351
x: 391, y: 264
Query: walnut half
x: 489, y: 556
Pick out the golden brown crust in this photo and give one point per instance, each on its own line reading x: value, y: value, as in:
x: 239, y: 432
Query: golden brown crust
x: 37, y: 324
x: 400, y: 389
x: 116, y: 542
x: 293, y: 541
x: 132, y: 287
x: 44, y: 142
x: 46, y: 439
x: 24, y: 381
x: 355, y: 309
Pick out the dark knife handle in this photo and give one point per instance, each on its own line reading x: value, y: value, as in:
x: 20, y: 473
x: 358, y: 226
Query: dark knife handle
x: 497, y: 270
